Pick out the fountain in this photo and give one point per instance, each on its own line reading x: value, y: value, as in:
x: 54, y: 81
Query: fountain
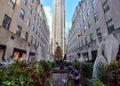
x: 107, y: 52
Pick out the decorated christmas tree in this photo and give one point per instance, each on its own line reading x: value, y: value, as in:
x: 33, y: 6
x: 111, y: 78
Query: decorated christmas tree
x: 58, y: 53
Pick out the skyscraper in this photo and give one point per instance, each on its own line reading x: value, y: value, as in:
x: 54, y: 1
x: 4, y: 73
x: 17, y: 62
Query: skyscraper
x: 58, y: 25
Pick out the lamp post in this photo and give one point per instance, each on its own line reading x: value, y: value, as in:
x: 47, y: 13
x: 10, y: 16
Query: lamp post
x: 79, y: 56
x: 78, y: 42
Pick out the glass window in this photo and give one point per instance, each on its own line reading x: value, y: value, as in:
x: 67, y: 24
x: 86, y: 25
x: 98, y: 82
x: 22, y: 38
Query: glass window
x: 36, y: 31
x: 26, y: 36
x: 88, y: 12
x: 30, y: 9
x: 35, y: 42
x: 91, y: 37
x: 37, y: 21
x: 6, y: 22
x: 86, y: 2
x: 35, y: 6
x: 28, y: 21
x: 93, y: 3
x: 85, y: 40
x: 85, y: 27
x: 22, y: 13
x: 105, y: 6
x: 81, y: 22
x: 83, y: 8
x: 32, y: 1
x: 99, y: 34
x: 38, y: 44
x: 39, y: 35
x: 19, y: 29
x: 12, y: 3
x: 84, y: 19
x: 31, y: 39
x: 110, y: 26
x: 25, y: 2
x: 89, y: 24
x: 96, y: 17
x: 33, y: 27
x: 34, y: 17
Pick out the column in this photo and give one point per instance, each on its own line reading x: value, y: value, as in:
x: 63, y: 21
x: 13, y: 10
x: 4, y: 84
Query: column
x: 89, y: 54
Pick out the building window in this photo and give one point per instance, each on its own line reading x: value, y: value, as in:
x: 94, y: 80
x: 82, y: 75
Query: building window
x: 39, y: 35
x: 86, y: 2
x: 83, y: 8
x: 35, y: 6
x: 25, y: 2
x: 26, y: 36
x: 34, y: 17
x: 38, y: 44
x: 36, y: 31
x: 32, y: 1
x: 93, y: 3
x: 89, y: 24
x: 99, y: 34
x: 22, y: 13
x: 110, y: 26
x: 81, y: 22
x: 28, y: 21
x: 37, y: 21
x: 19, y: 29
x: 91, y: 37
x: 33, y: 27
x: 30, y: 9
x: 6, y: 22
x: 85, y: 40
x: 35, y: 42
x: 106, y: 6
x: 12, y: 3
x: 96, y: 17
x: 85, y: 28
x: 88, y: 12
x: 31, y: 39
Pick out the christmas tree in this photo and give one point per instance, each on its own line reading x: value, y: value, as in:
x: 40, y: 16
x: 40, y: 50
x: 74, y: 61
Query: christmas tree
x: 58, y: 53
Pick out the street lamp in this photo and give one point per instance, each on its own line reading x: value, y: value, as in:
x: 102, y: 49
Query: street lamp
x: 78, y: 34
x: 78, y: 40
x: 79, y: 52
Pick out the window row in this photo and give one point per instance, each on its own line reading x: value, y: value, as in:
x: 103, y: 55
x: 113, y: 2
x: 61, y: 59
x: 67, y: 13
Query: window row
x: 7, y: 21
x: 12, y: 5
x: 104, y: 5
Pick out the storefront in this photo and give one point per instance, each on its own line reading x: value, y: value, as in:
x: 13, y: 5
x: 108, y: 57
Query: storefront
x: 31, y: 56
x: 2, y: 52
x: 18, y: 53
x: 94, y: 55
x: 85, y: 56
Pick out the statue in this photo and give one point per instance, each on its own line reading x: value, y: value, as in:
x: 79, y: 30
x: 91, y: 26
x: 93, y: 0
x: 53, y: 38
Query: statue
x: 107, y: 52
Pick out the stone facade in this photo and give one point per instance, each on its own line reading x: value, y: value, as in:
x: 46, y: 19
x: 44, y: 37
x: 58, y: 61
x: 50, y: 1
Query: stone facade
x: 58, y: 25
x: 92, y: 19
x: 23, y: 30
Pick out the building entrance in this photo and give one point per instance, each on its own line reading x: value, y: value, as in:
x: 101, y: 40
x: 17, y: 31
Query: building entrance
x: 2, y: 52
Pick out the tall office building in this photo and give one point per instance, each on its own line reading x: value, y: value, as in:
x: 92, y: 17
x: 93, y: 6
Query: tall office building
x: 58, y: 25
x: 23, y: 30
x: 93, y: 19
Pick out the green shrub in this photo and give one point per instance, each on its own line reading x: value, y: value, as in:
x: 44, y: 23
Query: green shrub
x: 87, y: 69
x: 24, y: 73
x: 102, y: 73
x: 98, y: 83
